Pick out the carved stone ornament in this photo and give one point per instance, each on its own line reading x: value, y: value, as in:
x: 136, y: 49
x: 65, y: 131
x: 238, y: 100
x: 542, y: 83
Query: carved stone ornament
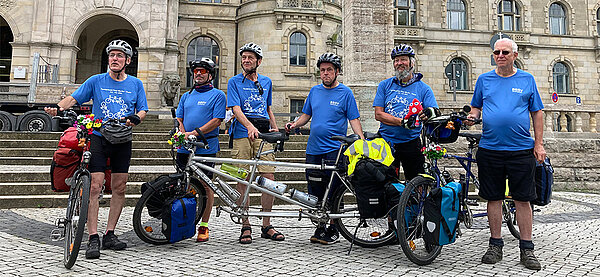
x: 169, y: 87
x: 7, y: 4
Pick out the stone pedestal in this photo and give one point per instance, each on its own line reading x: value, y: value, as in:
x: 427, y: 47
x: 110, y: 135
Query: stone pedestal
x: 366, y: 59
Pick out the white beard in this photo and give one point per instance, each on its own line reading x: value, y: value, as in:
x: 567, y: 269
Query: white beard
x: 401, y: 75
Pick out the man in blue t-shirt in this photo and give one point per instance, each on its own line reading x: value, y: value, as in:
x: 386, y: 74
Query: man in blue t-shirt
x: 249, y: 95
x: 506, y: 97
x: 332, y: 105
x: 203, y: 109
x: 115, y: 95
x: 392, y: 103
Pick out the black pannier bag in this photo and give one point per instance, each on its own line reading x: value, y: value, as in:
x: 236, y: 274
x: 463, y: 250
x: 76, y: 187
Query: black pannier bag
x: 544, y: 179
x: 164, y: 184
x: 369, y: 180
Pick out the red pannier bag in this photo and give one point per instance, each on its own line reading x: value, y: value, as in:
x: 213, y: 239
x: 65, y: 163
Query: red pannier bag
x: 64, y: 164
x: 69, y: 140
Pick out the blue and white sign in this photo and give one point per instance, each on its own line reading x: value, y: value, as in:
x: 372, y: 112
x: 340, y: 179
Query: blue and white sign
x: 578, y: 101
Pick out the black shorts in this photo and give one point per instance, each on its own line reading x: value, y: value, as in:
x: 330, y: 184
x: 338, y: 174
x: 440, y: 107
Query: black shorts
x: 410, y: 155
x: 119, y: 154
x: 182, y: 159
x: 496, y: 166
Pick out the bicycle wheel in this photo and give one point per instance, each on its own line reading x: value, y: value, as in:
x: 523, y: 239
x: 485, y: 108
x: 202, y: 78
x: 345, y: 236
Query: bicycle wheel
x: 410, y: 222
x: 510, y: 217
x: 76, y: 219
x: 371, y: 232
x: 147, y: 215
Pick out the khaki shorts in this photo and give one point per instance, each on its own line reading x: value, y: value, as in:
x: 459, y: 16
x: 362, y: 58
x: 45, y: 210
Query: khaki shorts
x: 245, y: 149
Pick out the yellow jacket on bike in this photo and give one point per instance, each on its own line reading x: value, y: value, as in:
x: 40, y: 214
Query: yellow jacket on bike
x: 376, y: 149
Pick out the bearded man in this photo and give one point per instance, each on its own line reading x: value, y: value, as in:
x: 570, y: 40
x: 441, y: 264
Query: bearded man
x: 392, y: 102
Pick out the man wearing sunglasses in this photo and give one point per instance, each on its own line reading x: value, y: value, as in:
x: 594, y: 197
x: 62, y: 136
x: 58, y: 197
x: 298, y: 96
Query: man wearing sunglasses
x: 249, y: 94
x: 116, y: 95
x: 203, y: 107
x: 507, y: 97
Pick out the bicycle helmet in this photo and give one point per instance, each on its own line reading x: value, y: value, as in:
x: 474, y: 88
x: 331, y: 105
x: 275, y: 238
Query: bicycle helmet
x: 205, y: 63
x: 330, y: 58
x: 402, y: 50
x: 252, y: 47
x: 120, y: 45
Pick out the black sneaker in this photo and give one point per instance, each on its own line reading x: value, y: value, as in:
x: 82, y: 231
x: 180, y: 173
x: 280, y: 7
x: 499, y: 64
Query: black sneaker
x: 110, y: 241
x: 332, y: 235
x: 529, y: 260
x: 318, y: 235
x: 493, y: 255
x: 93, y: 248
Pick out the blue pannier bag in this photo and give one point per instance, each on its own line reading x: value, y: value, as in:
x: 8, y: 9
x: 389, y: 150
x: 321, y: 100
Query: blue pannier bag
x: 544, y: 179
x: 441, y: 214
x: 179, y: 218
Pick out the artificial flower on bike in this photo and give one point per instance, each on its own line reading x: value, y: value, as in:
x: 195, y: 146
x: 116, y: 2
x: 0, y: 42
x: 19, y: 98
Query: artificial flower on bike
x: 178, y: 139
x: 433, y: 151
x: 87, y: 123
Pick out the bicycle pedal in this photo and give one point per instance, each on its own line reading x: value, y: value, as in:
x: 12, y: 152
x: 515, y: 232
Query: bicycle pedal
x: 60, y: 222
x: 472, y: 202
x: 56, y: 234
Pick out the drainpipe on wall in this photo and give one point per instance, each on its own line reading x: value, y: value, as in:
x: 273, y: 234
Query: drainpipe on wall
x: 235, y: 59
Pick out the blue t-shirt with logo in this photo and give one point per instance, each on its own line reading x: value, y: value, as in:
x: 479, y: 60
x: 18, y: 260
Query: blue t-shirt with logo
x: 506, y: 103
x: 198, y: 108
x: 395, y: 100
x: 112, y: 99
x: 330, y: 110
x: 246, y: 94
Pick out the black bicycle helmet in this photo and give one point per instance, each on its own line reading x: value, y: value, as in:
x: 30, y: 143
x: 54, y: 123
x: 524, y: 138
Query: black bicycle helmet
x: 330, y: 58
x: 205, y: 63
x: 120, y: 45
x: 252, y: 47
x: 402, y: 50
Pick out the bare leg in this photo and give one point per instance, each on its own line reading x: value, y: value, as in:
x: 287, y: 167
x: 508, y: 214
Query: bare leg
x: 119, y: 184
x: 494, y: 214
x: 241, y: 188
x: 266, y: 201
x: 524, y: 219
x: 96, y: 186
x: 210, y: 200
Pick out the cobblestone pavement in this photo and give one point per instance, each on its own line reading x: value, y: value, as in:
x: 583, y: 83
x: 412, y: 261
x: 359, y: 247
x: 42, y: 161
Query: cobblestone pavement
x: 566, y: 234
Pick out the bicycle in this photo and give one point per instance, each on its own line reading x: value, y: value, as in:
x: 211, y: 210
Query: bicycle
x: 344, y: 211
x: 439, y: 130
x: 71, y: 227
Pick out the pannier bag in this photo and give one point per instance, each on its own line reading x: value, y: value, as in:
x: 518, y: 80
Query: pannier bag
x: 157, y: 200
x: 544, y: 179
x: 441, y: 214
x: 178, y: 218
x: 117, y: 133
x: 369, y: 180
x: 65, y: 162
x: 69, y: 139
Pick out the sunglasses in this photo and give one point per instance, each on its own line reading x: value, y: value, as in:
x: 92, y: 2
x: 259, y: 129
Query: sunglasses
x: 260, y: 88
x: 200, y: 71
x: 504, y: 52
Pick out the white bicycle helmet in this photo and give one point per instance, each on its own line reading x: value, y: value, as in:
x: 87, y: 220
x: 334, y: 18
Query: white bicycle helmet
x: 330, y: 58
x: 252, y: 47
x: 120, y: 45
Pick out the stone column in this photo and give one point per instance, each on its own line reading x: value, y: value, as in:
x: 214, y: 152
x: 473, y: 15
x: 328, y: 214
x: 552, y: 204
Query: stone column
x: 578, y: 122
x: 549, y: 120
x: 593, y: 122
x: 172, y: 53
x: 366, y: 51
x: 563, y: 122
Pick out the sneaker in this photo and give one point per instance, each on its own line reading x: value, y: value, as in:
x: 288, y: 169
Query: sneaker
x: 493, y: 255
x: 529, y: 260
x: 93, y: 248
x: 202, y: 234
x: 110, y: 241
x: 319, y: 234
x: 332, y: 235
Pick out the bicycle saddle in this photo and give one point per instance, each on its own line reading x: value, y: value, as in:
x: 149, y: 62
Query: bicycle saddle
x: 273, y: 137
x: 346, y: 139
x: 471, y: 136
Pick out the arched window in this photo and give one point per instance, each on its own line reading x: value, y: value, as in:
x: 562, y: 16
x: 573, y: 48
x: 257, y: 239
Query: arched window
x: 558, y: 20
x: 462, y: 72
x: 457, y: 19
x: 598, y: 21
x: 560, y: 77
x: 509, y: 16
x: 199, y: 48
x: 298, y: 49
x: 405, y: 13
x: 6, y: 36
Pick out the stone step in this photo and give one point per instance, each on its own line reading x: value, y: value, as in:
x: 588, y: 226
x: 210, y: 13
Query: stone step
x: 136, y: 153
x: 134, y: 161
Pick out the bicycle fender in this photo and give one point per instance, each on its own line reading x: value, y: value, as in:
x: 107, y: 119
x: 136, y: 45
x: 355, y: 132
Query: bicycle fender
x: 427, y: 176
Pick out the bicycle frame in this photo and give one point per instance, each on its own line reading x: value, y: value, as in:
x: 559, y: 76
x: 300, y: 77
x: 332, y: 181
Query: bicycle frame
x: 196, y: 168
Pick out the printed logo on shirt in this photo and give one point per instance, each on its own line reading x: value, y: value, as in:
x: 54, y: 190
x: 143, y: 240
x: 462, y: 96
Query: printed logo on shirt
x: 334, y: 103
x: 113, y: 107
x: 201, y: 103
x: 397, y: 106
x: 255, y: 104
x: 517, y: 90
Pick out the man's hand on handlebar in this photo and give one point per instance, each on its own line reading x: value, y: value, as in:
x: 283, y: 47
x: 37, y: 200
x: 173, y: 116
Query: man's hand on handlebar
x: 52, y: 111
x: 252, y: 133
x: 471, y: 120
x: 289, y: 126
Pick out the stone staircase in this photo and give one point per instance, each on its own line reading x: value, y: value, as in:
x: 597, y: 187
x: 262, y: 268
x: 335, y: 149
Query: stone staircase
x: 25, y: 164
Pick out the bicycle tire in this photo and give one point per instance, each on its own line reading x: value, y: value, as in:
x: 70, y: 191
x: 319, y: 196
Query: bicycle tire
x: 410, y: 222
x: 510, y: 217
x: 76, y: 220
x: 149, y: 228
x: 371, y: 233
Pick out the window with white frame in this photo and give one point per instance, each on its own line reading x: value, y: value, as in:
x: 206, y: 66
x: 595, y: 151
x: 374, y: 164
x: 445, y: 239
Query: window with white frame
x: 457, y: 15
x: 558, y: 19
x: 462, y: 80
x: 405, y: 13
x: 509, y: 16
x: 560, y: 78
x: 298, y: 49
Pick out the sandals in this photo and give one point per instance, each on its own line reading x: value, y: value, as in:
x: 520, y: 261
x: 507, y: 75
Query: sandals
x: 242, y: 236
x: 277, y: 236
